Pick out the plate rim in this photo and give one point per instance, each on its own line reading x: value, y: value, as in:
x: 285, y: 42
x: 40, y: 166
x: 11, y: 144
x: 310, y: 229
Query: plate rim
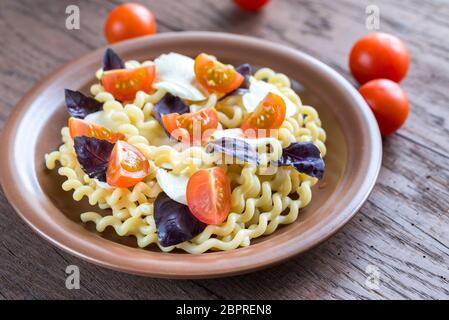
x: 366, y: 187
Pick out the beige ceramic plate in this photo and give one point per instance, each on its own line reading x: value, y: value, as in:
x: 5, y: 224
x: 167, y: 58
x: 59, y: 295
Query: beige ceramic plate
x: 352, y: 162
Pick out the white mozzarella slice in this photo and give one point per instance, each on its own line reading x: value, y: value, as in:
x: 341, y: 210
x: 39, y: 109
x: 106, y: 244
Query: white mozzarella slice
x: 167, y: 165
x: 258, y: 89
x: 228, y: 133
x: 175, y: 186
x: 102, y: 118
x: 175, y: 74
x: 237, y: 133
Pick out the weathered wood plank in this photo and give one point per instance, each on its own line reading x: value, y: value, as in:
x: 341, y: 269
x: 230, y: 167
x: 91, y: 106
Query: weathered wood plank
x: 402, y: 229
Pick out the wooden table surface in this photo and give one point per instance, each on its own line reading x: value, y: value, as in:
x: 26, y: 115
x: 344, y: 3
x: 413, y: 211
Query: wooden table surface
x: 402, y: 230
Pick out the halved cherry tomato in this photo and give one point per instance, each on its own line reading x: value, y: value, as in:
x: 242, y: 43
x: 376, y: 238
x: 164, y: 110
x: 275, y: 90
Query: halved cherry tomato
x: 269, y: 114
x: 379, y: 55
x: 209, y: 195
x: 127, y: 166
x: 193, y: 127
x: 215, y: 76
x: 123, y: 84
x: 79, y: 127
x: 388, y: 102
x: 127, y: 21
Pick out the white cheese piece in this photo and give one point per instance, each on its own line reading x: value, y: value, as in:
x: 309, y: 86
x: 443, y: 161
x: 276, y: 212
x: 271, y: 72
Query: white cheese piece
x: 102, y: 118
x: 175, y: 74
x: 237, y: 133
x: 167, y: 165
x: 228, y: 133
x: 258, y: 89
x: 175, y: 186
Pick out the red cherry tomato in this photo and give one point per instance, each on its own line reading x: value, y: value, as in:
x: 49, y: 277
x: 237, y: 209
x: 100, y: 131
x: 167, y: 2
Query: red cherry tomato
x: 388, y: 102
x: 79, y: 127
x: 123, y: 84
x: 209, y: 195
x: 268, y: 115
x: 127, y: 166
x: 251, y: 5
x: 215, y: 76
x: 379, y: 56
x: 129, y: 20
x: 194, y: 126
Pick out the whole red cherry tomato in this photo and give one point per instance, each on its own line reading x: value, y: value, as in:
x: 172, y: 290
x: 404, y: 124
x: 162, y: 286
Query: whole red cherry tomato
x: 251, y: 5
x: 388, y: 102
x: 129, y: 20
x: 379, y: 56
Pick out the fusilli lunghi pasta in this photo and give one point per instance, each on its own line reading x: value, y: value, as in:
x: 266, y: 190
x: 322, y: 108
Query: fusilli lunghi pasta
x: 260, y: 202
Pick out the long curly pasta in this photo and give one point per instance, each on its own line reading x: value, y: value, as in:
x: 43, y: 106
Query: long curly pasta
x: 260, y: 202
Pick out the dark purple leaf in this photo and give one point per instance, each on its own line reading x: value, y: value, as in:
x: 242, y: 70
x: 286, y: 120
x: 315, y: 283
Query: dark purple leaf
x: 244, y: 70
x: 79, y: 105
x: 236, y: 92
x: 233, y: 147
x: 305, y: 157
x: 93, y: 155
x: 174, y: 221
x: 112, y: 60
x: 169, y: 104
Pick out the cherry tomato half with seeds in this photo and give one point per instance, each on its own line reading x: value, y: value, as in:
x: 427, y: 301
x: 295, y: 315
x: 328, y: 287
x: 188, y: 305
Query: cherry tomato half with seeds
x: 209, y: 195
x: 269, y: 114
x: 127, y: 166
x: 129, y: 20
x: 379, y: 56
x: 388, y: 102
x: 79, y: 127
x: 215, y: 76
x: 251, y: 5
x: 194, y: 127
x: 123, y: 84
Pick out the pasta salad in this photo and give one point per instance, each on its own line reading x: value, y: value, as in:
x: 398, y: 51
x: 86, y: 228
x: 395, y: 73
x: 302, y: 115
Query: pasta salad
x: 189, y: 154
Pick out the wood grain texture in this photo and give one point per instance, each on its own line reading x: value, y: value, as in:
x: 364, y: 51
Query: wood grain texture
x: 402, y: 229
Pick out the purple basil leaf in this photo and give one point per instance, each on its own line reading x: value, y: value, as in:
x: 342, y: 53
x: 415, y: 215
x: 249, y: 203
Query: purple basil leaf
x: 112, y: 60
x: 79, y: 105
x: 244, y: 70
x: 305, y: 157
x: 174, y: 221
x: 169, y: 104
x: 93, y: 155
x: 233, y: 147
x: 236, y: 92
